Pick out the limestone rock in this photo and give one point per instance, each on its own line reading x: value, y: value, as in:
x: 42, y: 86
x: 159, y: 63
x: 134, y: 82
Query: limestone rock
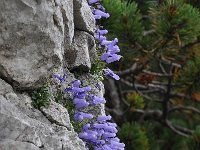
x: 8, y: 144
x: 82, y: 52
x: 32, y: 34
x: 58, y: 114
x: 83, y: 17
x: 25, y: 130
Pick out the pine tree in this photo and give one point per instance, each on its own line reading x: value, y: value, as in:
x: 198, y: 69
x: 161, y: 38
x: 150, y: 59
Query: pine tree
x: 160, y: 71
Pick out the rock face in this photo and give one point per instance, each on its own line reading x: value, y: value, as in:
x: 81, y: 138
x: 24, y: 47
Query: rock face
x: 38, y: 38
x: 38, y: 35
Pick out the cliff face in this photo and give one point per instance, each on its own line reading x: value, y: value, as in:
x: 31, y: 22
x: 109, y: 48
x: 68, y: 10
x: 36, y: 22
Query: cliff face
x: 39, y: 38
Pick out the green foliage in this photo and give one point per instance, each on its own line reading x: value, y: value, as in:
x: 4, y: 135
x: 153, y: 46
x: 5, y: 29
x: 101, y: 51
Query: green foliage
x: 58, y: 96
x: 196, y: 133
x: 175, y: 20
x: 191, y: 73
x: 125, y: 20
x: 97, y: 68
x: 135, y: 100
x: 41, y: 97
x: 71, y: 110
x: 133, y: 136
x: 195, y: 3
x: 166, y: 139
x: 173, y: 42
x: 126, y: 24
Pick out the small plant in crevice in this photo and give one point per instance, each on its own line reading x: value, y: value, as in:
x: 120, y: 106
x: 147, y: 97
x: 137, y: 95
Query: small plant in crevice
x: 41, y: 97
x: 71, y: 110
x: 58, y: 96
x: 96, y: 131
x: 97, y: 68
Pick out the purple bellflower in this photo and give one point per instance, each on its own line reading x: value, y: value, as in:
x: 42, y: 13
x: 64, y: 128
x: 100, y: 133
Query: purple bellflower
x: 93, y: 1
x: 100, y: 13
x: 103, y: 118
x: 94, y: 100
x: 109, y: 43
x: 100, y: 37
x: 60, y: 78
x: 79, y: 116
x: 96, y: 17
x: 80, y: 103
x: 109, y: 58
x: 102, y: 32
x: 99, y: 6
x: 108, y: 72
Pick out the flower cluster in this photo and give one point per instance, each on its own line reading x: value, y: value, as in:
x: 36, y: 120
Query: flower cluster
x: 111, y: 49
x: 98, y: 132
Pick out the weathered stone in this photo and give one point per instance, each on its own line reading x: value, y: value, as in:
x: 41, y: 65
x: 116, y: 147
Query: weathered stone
x: 7, y: 144
x: 58, y: 114
x: 4, y: 88
x: 83, y: 17
x: 32, y: 34
x: 20, y: 123
x: 82, y: 52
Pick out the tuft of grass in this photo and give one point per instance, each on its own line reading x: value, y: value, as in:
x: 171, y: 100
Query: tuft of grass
x: 41, y: 97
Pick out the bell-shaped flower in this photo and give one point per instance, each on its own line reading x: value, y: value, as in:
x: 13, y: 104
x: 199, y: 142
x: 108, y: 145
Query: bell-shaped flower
x: 108, y: 135
x: 96, y: 100
x: 106, y: 147
x: 100, y: 13
x: 78, y: 92
x: 86, y: 126
x: 80, y: 103
x: 76, y: 83
x: 93, y: 1
x: 103, y: 118
x: 112, y: 124
x: 98, y: 126
x: 88, y: 136
x: 106, y: 42
x: 113, y: 50
x: 60, y: 78
x: 110, y: 129
x: 96, y: 17
x: 106, y: 127
x: 117, y: 144
x: 113, y: 58
x: 100, y: 37
x: 99, y: 6
x: 109, y: 43
x: 108, y: 72
x: 100, y: 142
x: 79, y: 116
x: 102, y: 32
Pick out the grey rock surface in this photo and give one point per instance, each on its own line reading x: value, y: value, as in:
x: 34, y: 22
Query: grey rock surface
x: 28, y: 128
x: 35, y: 35
x: 84, y: 19
x: 82, y: 51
